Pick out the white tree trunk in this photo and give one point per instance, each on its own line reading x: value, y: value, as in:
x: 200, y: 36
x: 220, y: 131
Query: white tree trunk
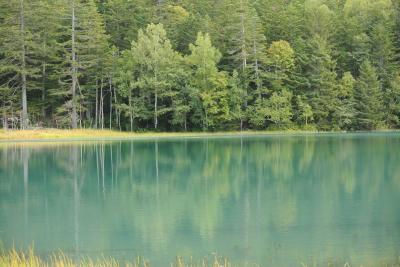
x: 101, y: 105
x: 155, y: 110
x: 74, y: 119
x: 24, y: 115
x: 97, y: 106
x: 243, y: 37
x: 111, y: 95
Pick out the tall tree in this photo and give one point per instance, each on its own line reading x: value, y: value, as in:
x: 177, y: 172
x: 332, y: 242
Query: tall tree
x: 304, y: 111
x: 18, y: 50
x: 280, y: 62
x: 124, y: 18
x: 279, y: 108
x: 71, y: 63
x: 237, y: 99
x: 87, y: 51
x: 344, y: 113
x: 156, y: 64
x: 211, y: 85
x: 322, y: 81
x: 392, y: 103
x: 368, y: 96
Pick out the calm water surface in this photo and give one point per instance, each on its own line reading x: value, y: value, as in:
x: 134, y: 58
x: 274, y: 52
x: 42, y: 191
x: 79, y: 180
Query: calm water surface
x: 272, y: 200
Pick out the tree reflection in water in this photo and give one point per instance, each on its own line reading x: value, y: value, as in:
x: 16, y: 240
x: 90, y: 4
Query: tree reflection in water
x: 273, y: 200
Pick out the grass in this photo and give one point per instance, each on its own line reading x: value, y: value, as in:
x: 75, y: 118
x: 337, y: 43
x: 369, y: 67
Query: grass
x: 29, y: 259
x: 87, y: 134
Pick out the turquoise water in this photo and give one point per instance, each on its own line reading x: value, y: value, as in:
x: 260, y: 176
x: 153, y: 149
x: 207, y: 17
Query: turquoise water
x: 277, y: 201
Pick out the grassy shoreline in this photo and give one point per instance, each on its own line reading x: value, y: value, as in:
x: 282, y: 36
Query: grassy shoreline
x: 92, y: 134
x: 15, y: 258
x: 29, y: 258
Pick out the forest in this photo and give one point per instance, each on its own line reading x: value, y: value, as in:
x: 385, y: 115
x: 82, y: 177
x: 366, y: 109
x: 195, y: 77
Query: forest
x: 200, y: 65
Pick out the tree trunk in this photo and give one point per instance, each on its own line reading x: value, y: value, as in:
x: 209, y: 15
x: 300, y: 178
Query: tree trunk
x: 12, y: 118
x: 24, y: 115
x: 43, y: 90
x: 111, y: 94
x: 155, y: 102
x: 74, y: 122
x: 155, y: 110
x: 206, y: 122
x: 5, y: 124
x: 130, y: 109
x: 97, y: 106
x: 243, y: 37
x: 256, y: 64
x: 116, y: 110
x: 101, y: 105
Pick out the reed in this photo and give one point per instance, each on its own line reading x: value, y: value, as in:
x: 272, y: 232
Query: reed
x: 14, y: 258
x: 29, y: 259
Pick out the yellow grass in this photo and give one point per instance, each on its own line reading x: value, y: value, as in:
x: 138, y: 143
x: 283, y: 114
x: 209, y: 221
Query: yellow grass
x: 58, y: 134
x: 29, y: 259
x: 93, y: 134
x: 88, y: 134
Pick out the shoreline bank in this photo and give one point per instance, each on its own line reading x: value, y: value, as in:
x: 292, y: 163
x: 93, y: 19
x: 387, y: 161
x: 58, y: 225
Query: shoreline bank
x: 93, y: 134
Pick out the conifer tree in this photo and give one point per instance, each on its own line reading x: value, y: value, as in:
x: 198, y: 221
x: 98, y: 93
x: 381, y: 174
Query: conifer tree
x: 237, y: 99
x: 17, y: 51
x: 392, y: 103
x: 322, y: 78
x: 368, y: 98
x: 124, y: 18
x: 87, y: 53
x: 344, y: 111
x: 71, y: 63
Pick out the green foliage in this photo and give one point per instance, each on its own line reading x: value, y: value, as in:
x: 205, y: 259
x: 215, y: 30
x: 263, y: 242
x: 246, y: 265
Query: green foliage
x: 305, y: 112
x: 392, y: 99
x: 124, y: 18
x: 142, y: 64
x: 209, y: 83
x: 154, y: 67
x: 257, y: 113
x: 345, y: 112
x: 279, y: 108
x: 237, y: 99
x: 322, y: 81
x: 368, y: 96
x: 281, y: 56
x: 280, y: 62
x: 319, y: 18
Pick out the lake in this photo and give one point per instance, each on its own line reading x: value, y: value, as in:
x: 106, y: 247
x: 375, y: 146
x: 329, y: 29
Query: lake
x: 272, y: 200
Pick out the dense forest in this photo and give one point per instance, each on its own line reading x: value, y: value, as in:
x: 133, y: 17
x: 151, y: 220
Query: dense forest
x: 186, y: 65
